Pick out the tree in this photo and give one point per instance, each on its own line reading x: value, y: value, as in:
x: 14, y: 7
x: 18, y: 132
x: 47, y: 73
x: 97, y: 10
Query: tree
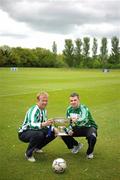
x: 45, y: 58
x: 5, y: 52
x: 15, y: 59
x: 115, y: 51
x: 69, y: 52
x: 78, y: 52
x: 54, y: 48
x: 96, y: 63
x: 94, y: 48
x: 2, y: 62
x: 86, y: 48
x: 104, y: 52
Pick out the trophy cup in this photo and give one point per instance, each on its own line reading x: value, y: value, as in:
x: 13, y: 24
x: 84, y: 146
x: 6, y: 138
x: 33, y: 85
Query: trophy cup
x: 61, y: 124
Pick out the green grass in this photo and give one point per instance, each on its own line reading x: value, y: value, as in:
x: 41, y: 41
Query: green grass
x: 99, y: 91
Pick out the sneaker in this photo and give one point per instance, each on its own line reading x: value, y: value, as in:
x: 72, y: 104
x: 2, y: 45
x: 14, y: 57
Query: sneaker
x: 76, y: 149
x: 90, y: 156
x: 31, y: 159
x: 38, y: 151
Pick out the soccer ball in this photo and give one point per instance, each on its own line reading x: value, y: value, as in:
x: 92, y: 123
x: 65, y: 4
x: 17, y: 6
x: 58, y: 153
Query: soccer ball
x: 59, y: 165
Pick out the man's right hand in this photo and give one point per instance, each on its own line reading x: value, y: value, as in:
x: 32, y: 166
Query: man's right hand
x: 47, y: 123
x: 74, y: 119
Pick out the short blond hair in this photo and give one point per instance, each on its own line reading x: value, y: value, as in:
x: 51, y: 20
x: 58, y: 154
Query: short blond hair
x: 43, y: 94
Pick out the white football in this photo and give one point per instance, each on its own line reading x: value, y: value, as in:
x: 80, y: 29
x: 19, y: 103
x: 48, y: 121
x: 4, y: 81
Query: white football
x: 59, y: 165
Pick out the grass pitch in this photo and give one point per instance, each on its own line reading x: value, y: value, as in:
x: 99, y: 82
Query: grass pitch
x: 99, y: 91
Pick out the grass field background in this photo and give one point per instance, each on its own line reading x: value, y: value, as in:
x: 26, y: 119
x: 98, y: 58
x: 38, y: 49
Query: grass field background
x: 99, y: 91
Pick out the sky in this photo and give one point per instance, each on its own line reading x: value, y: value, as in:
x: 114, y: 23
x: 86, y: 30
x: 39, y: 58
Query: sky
x: 37, y: 23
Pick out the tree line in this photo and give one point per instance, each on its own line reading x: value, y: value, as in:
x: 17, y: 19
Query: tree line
x: 79, y: 54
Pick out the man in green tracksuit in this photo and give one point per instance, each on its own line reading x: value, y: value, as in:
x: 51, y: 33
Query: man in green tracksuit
x: 81, y: 125
x: 36, y: 129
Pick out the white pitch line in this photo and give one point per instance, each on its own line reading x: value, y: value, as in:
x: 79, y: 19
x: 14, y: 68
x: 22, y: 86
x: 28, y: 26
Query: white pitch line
x: 15, y: 94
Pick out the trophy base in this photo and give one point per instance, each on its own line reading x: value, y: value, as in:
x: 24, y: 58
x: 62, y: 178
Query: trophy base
x: 62, y: 134
x: 61, y: 131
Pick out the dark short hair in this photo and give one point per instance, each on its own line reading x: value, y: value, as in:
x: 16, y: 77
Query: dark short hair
x: 74, y: 94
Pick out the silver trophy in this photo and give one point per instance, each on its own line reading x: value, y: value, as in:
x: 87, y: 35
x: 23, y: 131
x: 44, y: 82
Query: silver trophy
x: 61, y: 124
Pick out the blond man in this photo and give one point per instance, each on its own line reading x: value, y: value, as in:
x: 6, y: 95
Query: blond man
x: 37, y: 129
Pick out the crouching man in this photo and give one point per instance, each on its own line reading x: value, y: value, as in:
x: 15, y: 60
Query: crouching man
x: 36, y: 129
x: 81, y: 124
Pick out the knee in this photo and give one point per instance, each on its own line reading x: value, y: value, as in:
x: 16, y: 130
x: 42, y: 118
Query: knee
x: 23, y: 138
x: 92, y: 137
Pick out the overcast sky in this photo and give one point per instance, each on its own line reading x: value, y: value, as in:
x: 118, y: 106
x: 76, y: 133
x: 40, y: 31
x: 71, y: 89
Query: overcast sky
x: 37, y: 23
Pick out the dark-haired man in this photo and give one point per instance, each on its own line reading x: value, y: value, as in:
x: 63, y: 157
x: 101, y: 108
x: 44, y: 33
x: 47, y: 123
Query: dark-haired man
x: 81, y: 125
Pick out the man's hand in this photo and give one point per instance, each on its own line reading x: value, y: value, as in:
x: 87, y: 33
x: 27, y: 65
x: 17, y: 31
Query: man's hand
x: 70, y: 132
x: 47, y: 123
x: 74, y: 119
